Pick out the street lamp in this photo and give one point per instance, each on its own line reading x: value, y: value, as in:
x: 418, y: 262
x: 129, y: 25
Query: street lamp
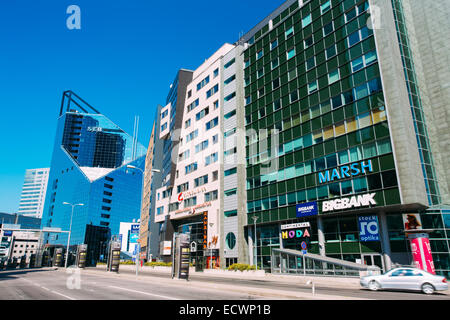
x: 210, y: 247
x: 70, y: 228
x: 256, y: 250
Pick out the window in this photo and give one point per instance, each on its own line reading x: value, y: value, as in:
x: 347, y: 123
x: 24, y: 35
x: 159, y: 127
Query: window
x: 230, y: 240
x: 203, y: 83
x: 310, y: 63
x: 201, y: 146
x: 164, y: 126
x: 293, y: 96
x: 216, y: 104
x: 215, y: 175
x: 291, y: 53
x: 274, y: 63
x: 259, y: 73
x: 216, y: 72
x: 289, y: 32
x: 275, y: 83
x: 276, y: 104
x: 230, y: 213
x: 230, y: 192
x: 260, y: 92
x: 259, y: 54
x: 230, y: 132
x: 187, y: 123
x: 246, y: 63
x: 292, y: 74
x: 229, y: 64
x: 200, y: 181
x: 183, y: 187
x: 306, y: 21
x: 230, y: 151
x: 230, y: 96
x: 333, y: 76
x: 328, y: 28
x: 331, y: 51
x: 192, y: 135
x: 212, y: 91
x: 230, y: 172
x: 164, y: 114
x: 248, y: 100
x: 211, y: 158
x: 230, y: 79
x: 210, y: 196
x: 325, y: 7
x: 357, y: 64
x: 308, y: 42
x: 274, y: 44
x: 312, y: 87
x: 159, y: 210
x: 193, y: 105
x: 215, y: 138
x: 353, y: 38
x: 211, y: 124
x: 190, y: 202
x: 230, y: 114
x: 201, y: 114
x: 190, y: 168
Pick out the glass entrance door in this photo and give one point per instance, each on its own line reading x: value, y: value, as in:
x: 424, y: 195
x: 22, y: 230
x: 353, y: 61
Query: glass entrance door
x: 373, y: 260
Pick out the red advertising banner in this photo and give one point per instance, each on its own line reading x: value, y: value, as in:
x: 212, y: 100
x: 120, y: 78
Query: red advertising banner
x: 421, y: 252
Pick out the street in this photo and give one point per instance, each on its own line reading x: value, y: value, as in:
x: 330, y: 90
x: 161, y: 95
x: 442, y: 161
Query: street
x: 95, y: 284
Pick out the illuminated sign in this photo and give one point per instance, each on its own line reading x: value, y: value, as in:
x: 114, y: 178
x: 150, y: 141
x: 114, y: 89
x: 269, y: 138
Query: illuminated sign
x: 307, y: 209
x: 295, y: 233
x: 347, y: 203
x: 368, y: 228
x: 346, y: 171
x: 295, y: 225
x: 188, y: 194
x: 94, y: 129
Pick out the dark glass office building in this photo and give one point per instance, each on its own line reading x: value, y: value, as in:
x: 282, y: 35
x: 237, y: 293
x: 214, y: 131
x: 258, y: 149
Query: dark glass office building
x: 337, y: 133
x: 89, y: 166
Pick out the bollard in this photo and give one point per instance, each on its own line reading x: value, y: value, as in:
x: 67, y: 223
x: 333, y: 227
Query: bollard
x: 313, y: 286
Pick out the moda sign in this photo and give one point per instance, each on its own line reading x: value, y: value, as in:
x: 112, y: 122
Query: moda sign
x: 347, y: 203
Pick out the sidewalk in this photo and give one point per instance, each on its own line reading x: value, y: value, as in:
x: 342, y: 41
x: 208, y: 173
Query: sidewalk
x: 329, y: 282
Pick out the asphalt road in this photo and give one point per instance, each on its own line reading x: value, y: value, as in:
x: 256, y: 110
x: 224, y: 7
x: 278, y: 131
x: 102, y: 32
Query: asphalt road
x: 95, y: 284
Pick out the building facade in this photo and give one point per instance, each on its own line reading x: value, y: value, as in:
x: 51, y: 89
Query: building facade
x: 89, y: 167
x: 33, y: 192
x: 336, y: 93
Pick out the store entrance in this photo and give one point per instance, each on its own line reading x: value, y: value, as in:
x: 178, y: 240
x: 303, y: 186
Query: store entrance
x: 373, y: 260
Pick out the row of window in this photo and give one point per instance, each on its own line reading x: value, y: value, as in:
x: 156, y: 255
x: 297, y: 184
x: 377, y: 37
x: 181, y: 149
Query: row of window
x: 357, y: 153
x: 349, y: 125
x: 370, y: 182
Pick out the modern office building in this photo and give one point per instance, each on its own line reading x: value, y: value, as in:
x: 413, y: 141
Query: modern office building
x: 202, y: 199
x: 349, y: 115
x: 18, y: 219
x: 149, y: 230
x: 89, y: 166
x: 33, y: 192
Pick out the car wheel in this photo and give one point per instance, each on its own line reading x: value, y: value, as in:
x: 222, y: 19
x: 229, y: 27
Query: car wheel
x: 427, y: 288
x: 374, y: 286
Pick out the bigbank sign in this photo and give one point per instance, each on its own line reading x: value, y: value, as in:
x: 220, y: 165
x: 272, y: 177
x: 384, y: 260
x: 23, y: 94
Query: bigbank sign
x: 343, y: 172
x: 351, y: 202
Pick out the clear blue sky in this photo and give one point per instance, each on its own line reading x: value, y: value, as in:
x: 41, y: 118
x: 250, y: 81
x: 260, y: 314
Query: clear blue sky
x: 122, y: 62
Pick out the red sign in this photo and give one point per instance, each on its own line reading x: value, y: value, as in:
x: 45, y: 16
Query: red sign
x: 421, y: 252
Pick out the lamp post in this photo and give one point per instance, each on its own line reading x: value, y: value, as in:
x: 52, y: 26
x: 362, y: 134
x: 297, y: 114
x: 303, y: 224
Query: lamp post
x: 256, y: 250
x: 70, y: 228
x: 210, y: 248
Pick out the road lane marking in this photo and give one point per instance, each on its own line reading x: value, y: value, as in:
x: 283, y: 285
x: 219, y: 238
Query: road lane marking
x: 63, y: 295
x: 146, y: 293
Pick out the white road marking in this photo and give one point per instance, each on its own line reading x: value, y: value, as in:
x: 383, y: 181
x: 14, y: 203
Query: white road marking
x: 63, y: 295
x: 146, y: 293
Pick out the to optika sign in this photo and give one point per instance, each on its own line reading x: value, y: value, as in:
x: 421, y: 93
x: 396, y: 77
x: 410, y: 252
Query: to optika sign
x: 347, y: 203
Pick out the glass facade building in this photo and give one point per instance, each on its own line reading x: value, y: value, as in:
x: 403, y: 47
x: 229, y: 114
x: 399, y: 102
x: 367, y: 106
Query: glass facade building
x: 323, y: 129
x: 89, y: 166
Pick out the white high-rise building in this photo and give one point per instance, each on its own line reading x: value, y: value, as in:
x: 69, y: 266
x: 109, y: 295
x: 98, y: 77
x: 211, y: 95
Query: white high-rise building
x: 33, y: 192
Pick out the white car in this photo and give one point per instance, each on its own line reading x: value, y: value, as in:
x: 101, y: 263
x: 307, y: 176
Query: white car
x: 406, y: 279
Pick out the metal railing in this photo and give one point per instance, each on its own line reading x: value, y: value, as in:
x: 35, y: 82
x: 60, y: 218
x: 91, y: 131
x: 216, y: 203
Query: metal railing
x: 287, y: 261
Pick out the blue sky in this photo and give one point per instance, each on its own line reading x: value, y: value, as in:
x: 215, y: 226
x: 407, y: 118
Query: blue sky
x: 122, y: 62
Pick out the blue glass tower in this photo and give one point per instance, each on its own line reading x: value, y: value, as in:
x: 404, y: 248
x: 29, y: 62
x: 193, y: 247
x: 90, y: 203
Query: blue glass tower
x: 89, y: 166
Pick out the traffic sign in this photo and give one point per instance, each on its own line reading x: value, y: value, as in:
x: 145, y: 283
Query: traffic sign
x: 303, y: 245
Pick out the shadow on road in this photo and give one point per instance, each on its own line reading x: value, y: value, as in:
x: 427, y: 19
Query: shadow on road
x: 15, y: 273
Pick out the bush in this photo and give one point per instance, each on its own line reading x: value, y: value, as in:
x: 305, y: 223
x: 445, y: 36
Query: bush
x: 158, y: 264
x: 241, y: 267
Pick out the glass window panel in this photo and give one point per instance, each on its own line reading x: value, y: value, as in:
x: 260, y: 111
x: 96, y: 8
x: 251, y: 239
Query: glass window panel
x: 301, y: 196
x: 357, y: 64
x: 370, y: 57
x: 360, y: 184
x: 343, y: 157
x: 300, y: 169
x: 315, y: 111
x: 320, y: 164
x: 346, y: 187
x: 379, y: 114
x: 328, y: 133
x: 352, y: 125
x: 369, y: 150
x: 355, y: 154
x: 331, y: 160
x: 339, y: 129
x: 361, y: 91
x: 364, y: 120
x: 384, y: 146
x: 334, y: 189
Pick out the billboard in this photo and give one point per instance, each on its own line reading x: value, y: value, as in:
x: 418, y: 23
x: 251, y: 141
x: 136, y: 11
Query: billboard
x: 421, y: 252
x: 368, y: 228
x: 307, y: 209
x: 411, y: 221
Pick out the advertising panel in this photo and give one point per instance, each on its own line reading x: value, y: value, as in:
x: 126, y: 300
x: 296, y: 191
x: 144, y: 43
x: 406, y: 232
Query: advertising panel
x: 421, y: 252
x: 411, y: 221
x: 307, y: 209
x: 368, y: 228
